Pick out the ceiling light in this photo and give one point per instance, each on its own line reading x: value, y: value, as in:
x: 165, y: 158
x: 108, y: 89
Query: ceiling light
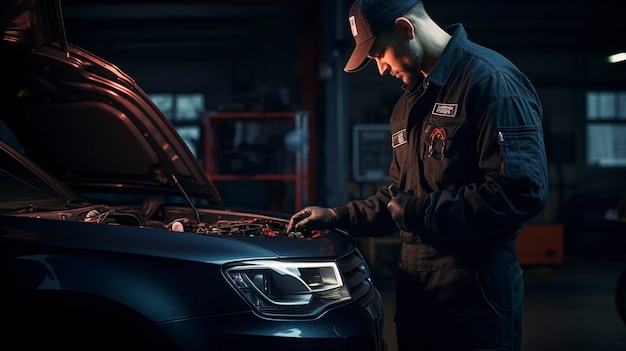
x: 615, y: 58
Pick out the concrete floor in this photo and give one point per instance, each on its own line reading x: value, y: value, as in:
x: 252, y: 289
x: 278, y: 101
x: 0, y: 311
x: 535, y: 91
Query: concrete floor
x: 570, y: 307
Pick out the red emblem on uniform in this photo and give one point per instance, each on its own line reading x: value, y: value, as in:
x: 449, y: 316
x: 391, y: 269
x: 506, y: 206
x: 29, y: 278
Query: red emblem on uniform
x: 437, y: 134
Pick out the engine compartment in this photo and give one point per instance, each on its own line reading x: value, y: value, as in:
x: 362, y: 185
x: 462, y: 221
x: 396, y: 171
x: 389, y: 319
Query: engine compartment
x: 176, y: 219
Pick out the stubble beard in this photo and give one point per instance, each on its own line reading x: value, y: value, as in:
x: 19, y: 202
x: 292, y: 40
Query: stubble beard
x: 413, y: 69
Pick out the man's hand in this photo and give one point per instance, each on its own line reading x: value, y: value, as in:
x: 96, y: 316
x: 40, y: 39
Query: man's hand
x: 397, y: 206
x: 313, y: 217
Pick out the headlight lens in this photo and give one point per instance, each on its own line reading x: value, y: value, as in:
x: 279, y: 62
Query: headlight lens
x: 288, y: 288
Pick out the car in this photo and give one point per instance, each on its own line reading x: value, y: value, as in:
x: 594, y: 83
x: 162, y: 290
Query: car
x: 113, y: 236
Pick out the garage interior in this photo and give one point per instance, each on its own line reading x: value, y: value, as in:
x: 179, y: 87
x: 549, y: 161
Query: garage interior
x: 257, y: 89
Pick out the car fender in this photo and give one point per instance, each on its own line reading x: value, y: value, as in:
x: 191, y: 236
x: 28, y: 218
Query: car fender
x: 52, y: 317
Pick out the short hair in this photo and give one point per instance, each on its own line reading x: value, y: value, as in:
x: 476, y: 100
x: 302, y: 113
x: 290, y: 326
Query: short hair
x: 417, y: 11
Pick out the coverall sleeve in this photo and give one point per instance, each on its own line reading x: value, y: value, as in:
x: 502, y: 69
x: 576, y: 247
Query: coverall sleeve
x: 368, y: 217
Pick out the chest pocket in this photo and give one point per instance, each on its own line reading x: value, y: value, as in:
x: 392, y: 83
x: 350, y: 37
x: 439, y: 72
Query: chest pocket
x: 445, y: 155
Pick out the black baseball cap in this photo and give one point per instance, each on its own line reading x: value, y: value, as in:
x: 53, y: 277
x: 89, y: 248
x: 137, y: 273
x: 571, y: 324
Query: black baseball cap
x: 367, y: 18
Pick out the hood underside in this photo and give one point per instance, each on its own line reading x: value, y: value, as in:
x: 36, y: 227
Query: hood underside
x: 82, y: 118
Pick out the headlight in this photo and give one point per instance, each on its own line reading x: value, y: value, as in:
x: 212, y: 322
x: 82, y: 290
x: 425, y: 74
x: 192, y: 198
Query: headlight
x: 288, y: 288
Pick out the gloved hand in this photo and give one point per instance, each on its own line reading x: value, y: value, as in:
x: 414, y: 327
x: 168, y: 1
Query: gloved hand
x: 313, y: 217
x: 397, y: 206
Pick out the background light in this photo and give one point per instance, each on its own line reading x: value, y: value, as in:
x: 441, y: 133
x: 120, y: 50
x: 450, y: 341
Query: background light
x: 615, y: 58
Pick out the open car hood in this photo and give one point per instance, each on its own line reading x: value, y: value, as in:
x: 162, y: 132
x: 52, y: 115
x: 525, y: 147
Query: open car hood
x: 82, y: 118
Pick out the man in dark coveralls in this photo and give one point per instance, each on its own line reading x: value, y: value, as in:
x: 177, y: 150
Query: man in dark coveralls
x: 468, y: 170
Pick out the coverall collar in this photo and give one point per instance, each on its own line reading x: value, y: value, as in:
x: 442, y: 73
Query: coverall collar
x: 442, y: 70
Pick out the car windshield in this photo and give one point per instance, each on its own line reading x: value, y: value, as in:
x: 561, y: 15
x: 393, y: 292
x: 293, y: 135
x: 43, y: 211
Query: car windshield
x: 20, y: 187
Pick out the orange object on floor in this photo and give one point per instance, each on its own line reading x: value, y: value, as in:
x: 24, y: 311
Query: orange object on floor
x: 541, y: 244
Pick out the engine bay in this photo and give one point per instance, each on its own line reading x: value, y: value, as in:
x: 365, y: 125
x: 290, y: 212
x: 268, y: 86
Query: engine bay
x: 175, y: 219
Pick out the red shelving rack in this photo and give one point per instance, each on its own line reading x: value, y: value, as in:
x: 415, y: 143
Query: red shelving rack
x: 294, y: 139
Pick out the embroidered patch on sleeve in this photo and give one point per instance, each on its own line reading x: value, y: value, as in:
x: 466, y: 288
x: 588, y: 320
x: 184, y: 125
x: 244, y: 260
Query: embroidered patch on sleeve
x: 398, y: 138
x: 445, y: 110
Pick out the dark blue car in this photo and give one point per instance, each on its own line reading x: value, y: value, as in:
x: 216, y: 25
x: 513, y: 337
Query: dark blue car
x: 113, y: 237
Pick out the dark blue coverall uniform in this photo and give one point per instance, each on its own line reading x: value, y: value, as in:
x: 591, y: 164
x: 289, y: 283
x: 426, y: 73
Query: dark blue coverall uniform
x: 468, y: 144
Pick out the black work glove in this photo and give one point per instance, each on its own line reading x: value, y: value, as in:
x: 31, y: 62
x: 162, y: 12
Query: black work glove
x: 313, y: 217
x: 398, y: 205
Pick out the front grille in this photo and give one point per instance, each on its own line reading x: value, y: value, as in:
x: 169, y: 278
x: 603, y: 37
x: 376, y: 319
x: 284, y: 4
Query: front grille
x: 359, y: 282
x: 357, y: 276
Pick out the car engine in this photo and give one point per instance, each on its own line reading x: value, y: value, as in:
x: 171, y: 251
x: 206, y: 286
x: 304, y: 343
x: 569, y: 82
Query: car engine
x: 222, y: 224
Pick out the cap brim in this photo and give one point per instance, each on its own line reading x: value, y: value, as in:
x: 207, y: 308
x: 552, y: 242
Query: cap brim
x: 359, y: 58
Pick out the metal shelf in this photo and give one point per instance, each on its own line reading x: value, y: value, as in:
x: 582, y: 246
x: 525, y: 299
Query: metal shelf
x: 281, y: 136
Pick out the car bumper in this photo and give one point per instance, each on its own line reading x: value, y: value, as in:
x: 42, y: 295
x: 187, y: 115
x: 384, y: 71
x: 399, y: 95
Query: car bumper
x: 347, y: 327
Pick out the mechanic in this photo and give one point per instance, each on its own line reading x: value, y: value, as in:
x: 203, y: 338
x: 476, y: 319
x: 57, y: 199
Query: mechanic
x: 468, y: 170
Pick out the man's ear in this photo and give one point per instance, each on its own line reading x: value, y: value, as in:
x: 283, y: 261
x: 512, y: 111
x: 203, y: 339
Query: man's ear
x: 405, y: 27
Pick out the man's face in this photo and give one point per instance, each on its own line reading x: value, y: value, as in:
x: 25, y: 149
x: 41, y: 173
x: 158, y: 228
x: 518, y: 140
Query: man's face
x: 393, y: 54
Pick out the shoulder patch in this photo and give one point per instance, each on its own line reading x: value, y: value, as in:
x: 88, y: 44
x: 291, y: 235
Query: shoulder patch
x: 398, y: 138
x: 445, y: 110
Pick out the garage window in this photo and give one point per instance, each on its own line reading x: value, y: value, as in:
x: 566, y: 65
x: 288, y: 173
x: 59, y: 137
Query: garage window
x: 606, y: 129
x: 185, y: 111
